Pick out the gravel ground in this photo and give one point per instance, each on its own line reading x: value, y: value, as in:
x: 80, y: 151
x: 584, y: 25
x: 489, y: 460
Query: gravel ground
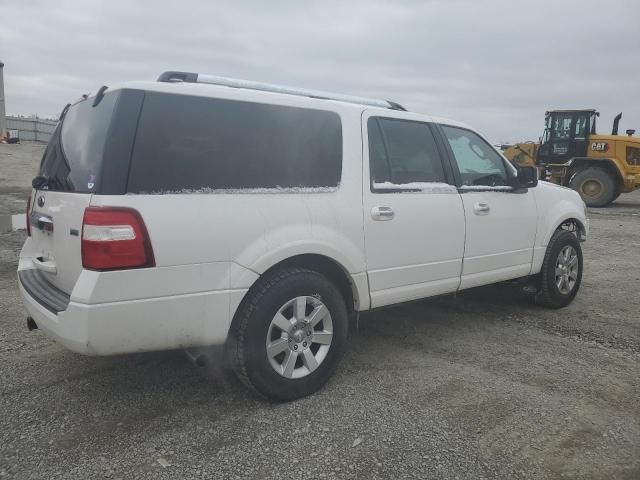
x: 18, y: 165
x: 480, y: 385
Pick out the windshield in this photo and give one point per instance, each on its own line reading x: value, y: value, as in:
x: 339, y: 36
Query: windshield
x: 73, y: 158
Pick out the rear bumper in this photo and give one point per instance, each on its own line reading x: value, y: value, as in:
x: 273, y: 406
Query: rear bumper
x: 159, y: 323
x: 39, y: 288
x: 70, y: 332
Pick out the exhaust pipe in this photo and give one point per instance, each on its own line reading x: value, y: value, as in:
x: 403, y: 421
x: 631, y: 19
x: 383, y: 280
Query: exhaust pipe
x: 197, y: 356
x: 31, y: 324
x: 616, y: 121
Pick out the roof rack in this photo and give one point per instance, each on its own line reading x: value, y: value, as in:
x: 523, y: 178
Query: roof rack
x: 189, y: 77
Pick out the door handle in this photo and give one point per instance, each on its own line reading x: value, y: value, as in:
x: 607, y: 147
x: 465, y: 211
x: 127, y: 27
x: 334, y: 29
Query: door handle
x: 481, y: 208
x: 382, y: 214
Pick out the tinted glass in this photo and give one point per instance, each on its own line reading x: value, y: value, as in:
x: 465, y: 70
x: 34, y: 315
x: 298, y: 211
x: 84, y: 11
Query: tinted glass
x: 478, y: 162
x: 73, y: 159
x: 195, y: 143
x: 402, y: 152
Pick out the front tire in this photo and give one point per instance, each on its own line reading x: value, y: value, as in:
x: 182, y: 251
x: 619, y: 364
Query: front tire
x: 596, y: 187
x: 561, y: 273
x: 289, y: 334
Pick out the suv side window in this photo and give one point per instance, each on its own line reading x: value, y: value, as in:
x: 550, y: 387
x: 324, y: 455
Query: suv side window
x: 187, y: 143
x: 478, y: 162
x: 402, y: 155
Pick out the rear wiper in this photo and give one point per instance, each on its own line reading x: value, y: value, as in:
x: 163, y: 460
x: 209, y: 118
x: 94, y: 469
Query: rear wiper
x: 39, y: 182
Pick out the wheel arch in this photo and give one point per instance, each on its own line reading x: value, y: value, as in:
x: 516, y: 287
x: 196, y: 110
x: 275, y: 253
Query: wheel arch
x: 608, y: 164
x: 570, y: 223
x: 353, y: 287
x: 330, y: 268
x: 574, y: 225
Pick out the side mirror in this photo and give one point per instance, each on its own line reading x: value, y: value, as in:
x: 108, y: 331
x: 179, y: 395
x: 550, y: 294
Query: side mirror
x: 528, y: 176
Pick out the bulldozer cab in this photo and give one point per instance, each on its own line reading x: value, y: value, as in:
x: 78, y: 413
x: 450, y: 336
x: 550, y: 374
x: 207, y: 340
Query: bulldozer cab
x: 566, y: 135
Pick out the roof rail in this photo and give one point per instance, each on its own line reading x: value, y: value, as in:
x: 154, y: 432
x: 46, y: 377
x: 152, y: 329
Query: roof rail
x: 189, y: 77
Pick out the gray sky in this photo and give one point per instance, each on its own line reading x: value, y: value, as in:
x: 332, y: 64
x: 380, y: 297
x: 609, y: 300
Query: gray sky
x: 495, y: 64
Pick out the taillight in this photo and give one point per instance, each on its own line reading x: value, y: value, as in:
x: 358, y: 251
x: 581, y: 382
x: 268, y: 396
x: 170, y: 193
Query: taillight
x: 28, y: 216
x: 115, y: 238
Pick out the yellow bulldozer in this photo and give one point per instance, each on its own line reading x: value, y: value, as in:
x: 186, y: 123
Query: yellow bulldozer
x: 571, y: 153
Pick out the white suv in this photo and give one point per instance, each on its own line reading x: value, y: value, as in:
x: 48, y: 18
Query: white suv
x: 199, y: 210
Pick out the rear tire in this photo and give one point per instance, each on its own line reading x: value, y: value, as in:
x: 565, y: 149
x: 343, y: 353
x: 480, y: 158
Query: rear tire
x: 596, y: 186
x: 561, y: 273
x: 275, y: 347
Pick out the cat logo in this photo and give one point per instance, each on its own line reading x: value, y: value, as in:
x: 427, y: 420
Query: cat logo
x: 599, y: 146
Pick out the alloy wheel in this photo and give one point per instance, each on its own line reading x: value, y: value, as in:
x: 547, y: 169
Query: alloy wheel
x: 566, y: 273
x: 299, y: 337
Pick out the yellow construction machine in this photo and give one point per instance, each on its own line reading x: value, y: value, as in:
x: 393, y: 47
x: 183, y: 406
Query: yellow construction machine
x: 571, y: 153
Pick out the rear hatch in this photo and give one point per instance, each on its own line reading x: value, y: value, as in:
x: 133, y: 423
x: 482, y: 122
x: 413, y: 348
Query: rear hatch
x: 70, y: 173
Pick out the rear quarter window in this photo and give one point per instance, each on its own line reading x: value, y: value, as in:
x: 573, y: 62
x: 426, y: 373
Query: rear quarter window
x: 187, y: 143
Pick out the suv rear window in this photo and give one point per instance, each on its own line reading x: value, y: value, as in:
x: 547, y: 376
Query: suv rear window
x: 72, y: 161
x: 187, y: 143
